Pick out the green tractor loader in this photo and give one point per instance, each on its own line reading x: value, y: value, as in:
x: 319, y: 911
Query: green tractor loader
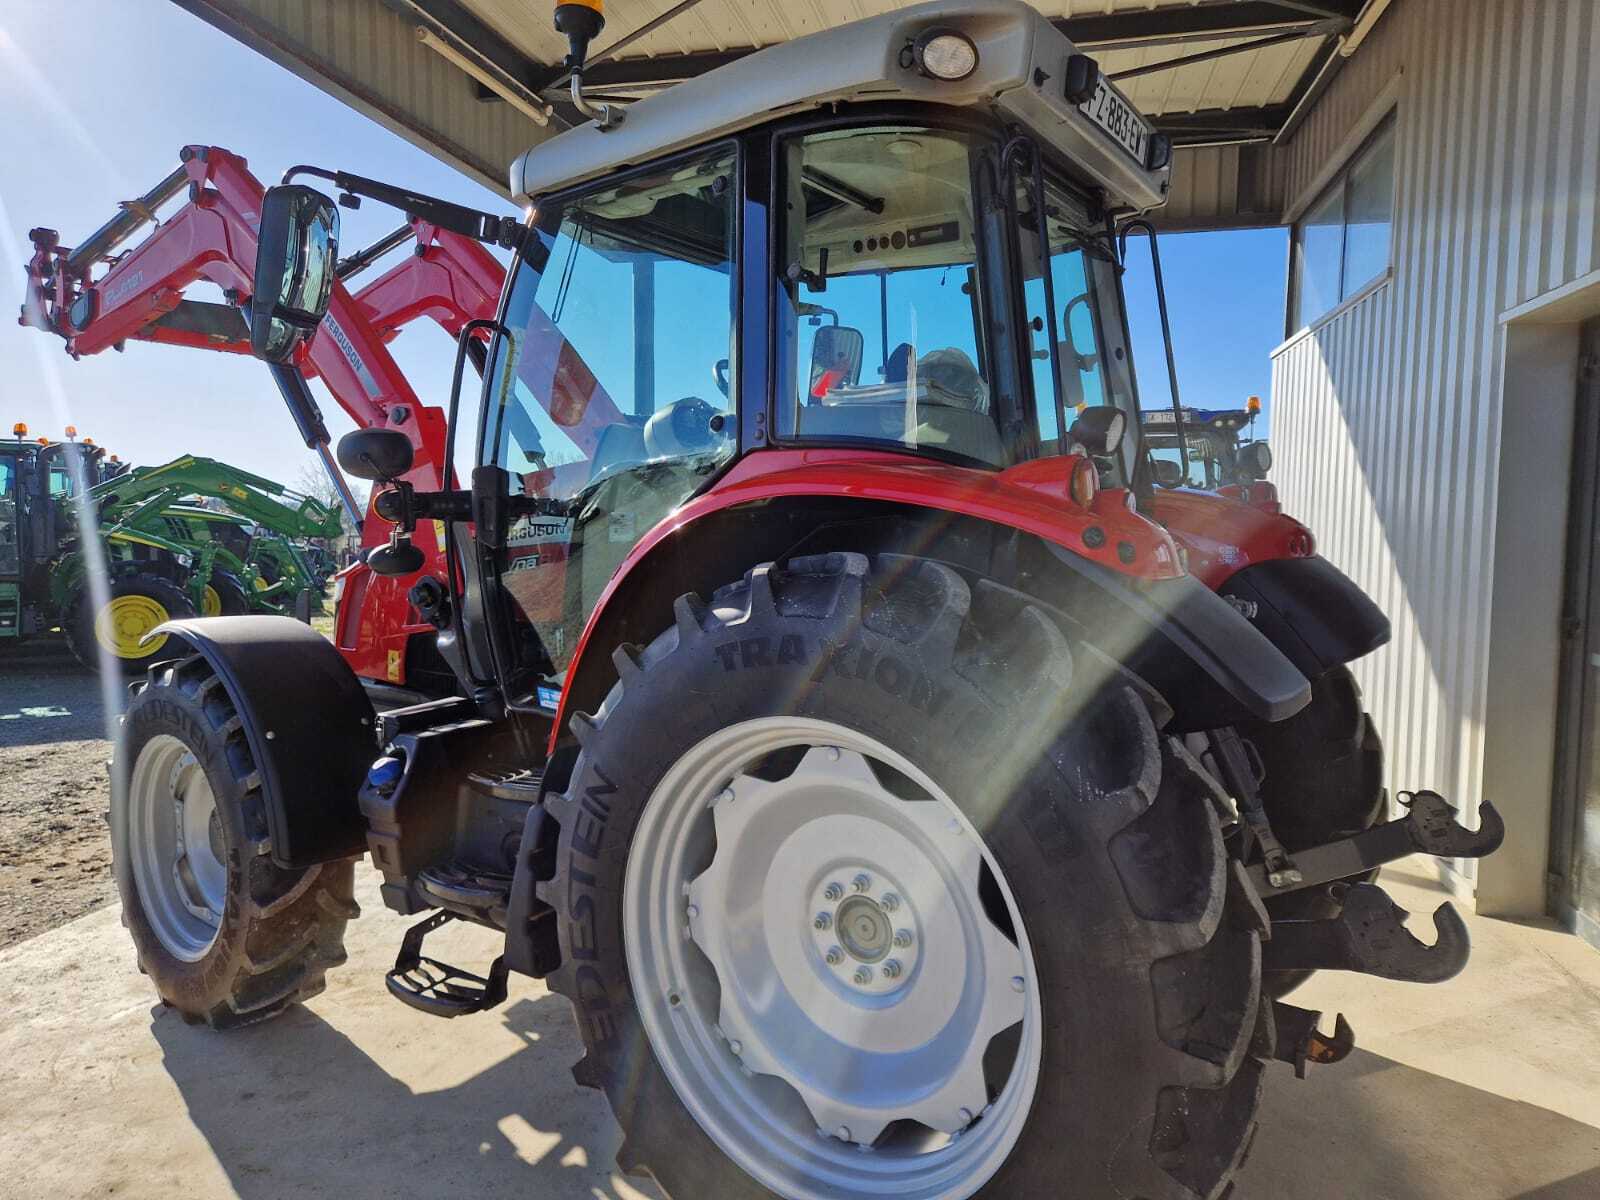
x: 249, y: 558
x: 162, y: 558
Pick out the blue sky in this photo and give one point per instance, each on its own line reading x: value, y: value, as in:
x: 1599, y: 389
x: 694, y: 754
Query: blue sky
x: 146, y: 78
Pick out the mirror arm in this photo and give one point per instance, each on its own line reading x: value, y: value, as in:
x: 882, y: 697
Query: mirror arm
x: 446, y: 214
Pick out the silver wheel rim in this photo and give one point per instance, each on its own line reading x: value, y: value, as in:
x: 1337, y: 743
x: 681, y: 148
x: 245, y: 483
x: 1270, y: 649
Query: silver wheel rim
x: 176, y: 847
x: 827, y: 1061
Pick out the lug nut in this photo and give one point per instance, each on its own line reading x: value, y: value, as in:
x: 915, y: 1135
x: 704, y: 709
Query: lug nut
x: 891, y: 969
x: 863, y: 976
x: 833, y: 754
x: 890, y: 902
x: 832, y: 892
x: 1017, y: 983
x: 725, y: 796
x: 861, y: 882
x: 693, y: 910
x: 902, y: 938
x: 737, y: 1047
x: 843, y: 1133
x: 823, y: 921
x: 835, y: 956
x: 966, y: 1116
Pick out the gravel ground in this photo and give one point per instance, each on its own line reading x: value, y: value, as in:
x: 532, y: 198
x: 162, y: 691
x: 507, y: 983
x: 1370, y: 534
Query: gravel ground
x: 55, y: 851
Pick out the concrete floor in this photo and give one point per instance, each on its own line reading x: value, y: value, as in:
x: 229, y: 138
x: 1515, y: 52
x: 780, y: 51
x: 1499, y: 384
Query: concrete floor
x: 1486, y: 1088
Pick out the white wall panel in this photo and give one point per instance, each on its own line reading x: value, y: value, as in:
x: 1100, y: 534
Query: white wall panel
x: 1388, y: 415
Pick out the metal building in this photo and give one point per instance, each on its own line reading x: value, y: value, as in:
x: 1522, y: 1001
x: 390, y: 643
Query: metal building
x: 1436, y: 409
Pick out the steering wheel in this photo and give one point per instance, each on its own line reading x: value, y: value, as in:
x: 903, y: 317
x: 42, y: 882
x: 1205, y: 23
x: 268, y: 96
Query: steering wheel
x: 687, y: 426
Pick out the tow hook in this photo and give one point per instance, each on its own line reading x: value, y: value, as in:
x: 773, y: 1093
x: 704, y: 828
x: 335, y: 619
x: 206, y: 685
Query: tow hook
x: 1300, y: 1041
x: 1369, y: 936
x: 1429, y: 827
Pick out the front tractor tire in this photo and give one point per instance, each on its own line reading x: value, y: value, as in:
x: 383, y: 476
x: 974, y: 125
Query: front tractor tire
x: 868, y: 885
x: 227, y: 937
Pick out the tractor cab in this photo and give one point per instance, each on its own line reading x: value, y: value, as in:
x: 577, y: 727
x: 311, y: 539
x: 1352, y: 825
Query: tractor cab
x: 916, y: 265
x: 1217, y: 446
x: 38, y: 478
x: 910, y: 257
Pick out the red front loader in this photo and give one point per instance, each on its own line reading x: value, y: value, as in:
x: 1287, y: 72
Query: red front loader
x: 98, y: 299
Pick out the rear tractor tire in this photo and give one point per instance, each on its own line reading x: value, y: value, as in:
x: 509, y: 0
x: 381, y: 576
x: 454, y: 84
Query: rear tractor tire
x: 228, y: 937
x: 114, y: 633
x: 868, y: 885
x: 1323, y: 781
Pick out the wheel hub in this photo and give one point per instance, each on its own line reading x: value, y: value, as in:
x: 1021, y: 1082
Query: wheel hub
x: 865, y: 934
x: 790, y: 955
x: 177, y: 847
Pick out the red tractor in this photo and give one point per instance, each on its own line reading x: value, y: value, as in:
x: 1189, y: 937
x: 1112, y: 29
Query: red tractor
x: 449, y: 277
x: 908, y: 798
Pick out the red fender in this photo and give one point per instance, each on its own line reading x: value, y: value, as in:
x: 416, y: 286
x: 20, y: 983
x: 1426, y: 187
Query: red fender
x: 1221, y: 535
x: 1031, y: 497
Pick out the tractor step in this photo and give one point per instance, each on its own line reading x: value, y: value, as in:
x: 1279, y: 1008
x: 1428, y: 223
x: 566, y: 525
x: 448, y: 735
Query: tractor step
x: 437, y: 988
x: 471, y: 892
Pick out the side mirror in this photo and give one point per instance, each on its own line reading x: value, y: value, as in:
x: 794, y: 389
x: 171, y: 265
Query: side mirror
x: 399, y: 557
x: 1167, y: 473
x: 295, y: 257
x: 1255, y: 460
x: 1100, y: 429
x: 836, y: 349
x: 377, y: 454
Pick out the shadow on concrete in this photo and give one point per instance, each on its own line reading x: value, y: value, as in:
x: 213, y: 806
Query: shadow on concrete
x: 295, y: 1108
x: 46, y: 698
x: 1380, y: 1130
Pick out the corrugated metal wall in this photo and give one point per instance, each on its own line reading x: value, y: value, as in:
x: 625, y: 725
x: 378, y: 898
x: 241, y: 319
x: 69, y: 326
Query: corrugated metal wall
x: 1223, y: 187
x: 1387, y: 417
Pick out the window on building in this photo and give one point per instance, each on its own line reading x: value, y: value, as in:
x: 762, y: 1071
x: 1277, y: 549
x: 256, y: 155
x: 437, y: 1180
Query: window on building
x: 1342, y: 243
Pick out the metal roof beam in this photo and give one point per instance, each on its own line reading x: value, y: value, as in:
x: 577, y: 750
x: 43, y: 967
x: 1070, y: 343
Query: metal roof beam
x: 1222, y: 124
x: 1189, y: 60
x: 1146, y: 26
x: 661, y: 71
x: 472, y: 37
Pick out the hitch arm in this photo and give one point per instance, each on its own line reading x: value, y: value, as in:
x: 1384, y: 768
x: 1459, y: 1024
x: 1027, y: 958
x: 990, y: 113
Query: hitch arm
x: 1369, y: 936
x: 1430, y: 827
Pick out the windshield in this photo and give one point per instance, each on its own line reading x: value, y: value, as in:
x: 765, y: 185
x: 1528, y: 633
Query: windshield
x: 1096, y: 366
x: 881, y: 332
x: 612, y: 397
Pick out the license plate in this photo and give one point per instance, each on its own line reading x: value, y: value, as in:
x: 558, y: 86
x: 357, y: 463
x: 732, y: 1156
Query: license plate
x: 1118, y: 119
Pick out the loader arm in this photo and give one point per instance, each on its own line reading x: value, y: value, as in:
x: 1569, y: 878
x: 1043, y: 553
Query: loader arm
x: 212, y: 239
x: 271, y: 505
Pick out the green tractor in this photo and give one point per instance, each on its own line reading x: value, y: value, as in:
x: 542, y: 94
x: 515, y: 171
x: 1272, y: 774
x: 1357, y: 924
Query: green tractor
x: 39, y: 532
x: 162, y: 558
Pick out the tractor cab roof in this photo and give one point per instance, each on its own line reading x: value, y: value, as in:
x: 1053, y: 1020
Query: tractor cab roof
x: 1021, y: 76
